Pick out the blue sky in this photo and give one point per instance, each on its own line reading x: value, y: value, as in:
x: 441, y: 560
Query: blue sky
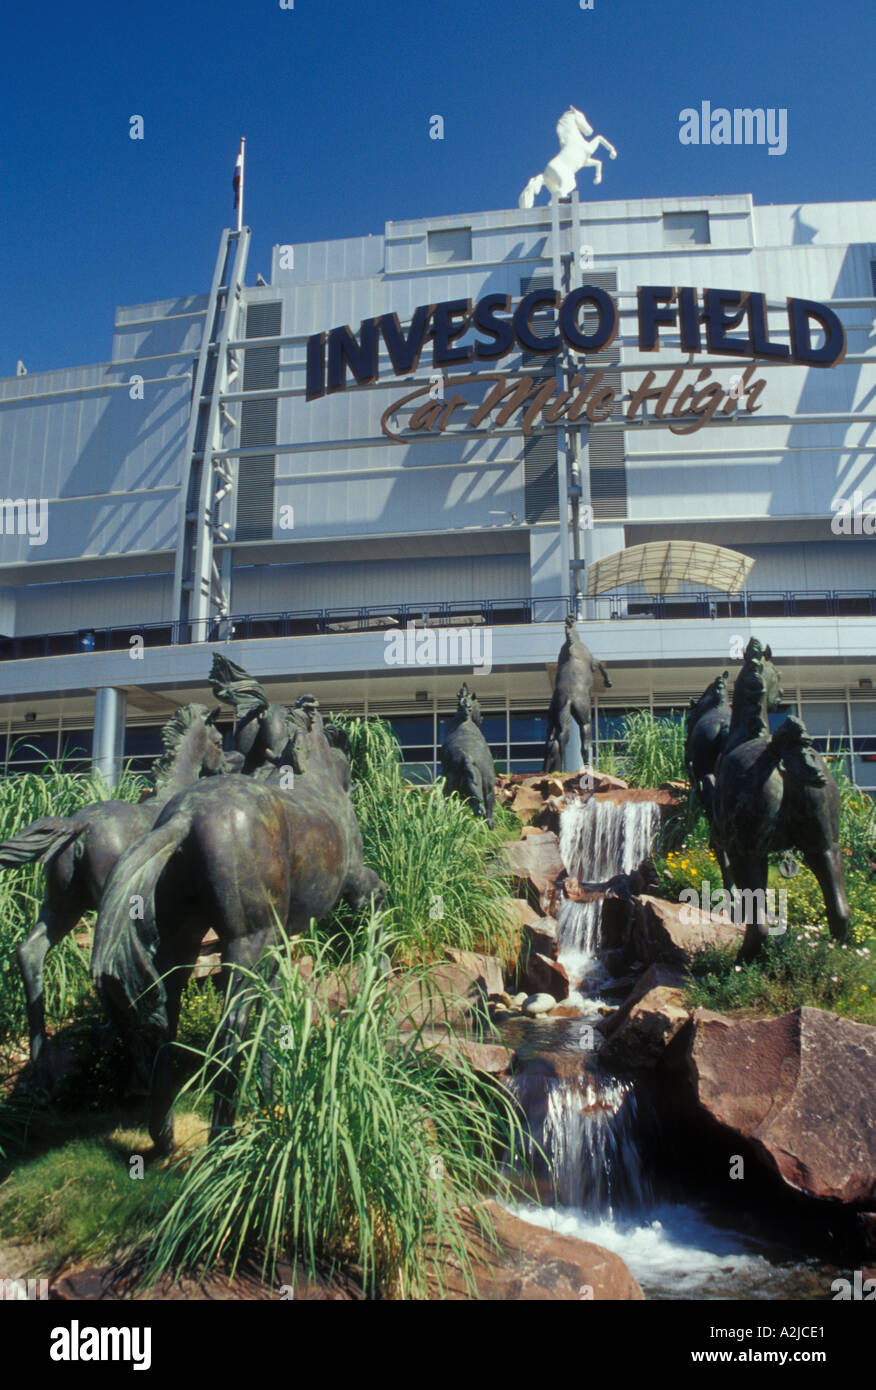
x: 334, y: 98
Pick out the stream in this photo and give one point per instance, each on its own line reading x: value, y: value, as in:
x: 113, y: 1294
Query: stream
x: 602, y: 1139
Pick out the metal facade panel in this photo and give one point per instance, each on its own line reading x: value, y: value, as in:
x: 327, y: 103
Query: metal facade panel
x: 280, y: 588
x: 117, y: 602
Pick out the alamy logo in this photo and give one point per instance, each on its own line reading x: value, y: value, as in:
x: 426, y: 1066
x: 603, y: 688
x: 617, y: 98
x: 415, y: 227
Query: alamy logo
x: 742, y: 905
x: 741, y: 126
x: 853, y: 518
x: 75, y: 1343
x: 26, y: 1289
x: 441, y: 646
x: 25, y: 517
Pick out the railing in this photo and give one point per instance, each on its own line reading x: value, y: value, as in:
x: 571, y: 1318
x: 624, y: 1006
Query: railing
x: 751, y: 603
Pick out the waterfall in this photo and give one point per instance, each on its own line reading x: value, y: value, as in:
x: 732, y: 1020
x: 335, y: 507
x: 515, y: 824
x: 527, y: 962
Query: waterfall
x: 594, y: 1177
x: 598, y: 839
x: 587, y: 1127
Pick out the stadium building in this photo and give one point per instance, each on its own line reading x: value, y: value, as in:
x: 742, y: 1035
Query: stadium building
x: 342, y: 479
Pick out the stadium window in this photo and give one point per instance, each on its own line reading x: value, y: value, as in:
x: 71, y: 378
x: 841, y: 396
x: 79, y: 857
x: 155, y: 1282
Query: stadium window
x: 686, y: 229
x: 454, y: 244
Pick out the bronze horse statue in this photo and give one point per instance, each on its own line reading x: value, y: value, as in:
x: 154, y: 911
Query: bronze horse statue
x: 262, y: 735
x: 572, y: 699
x: 707, y: 724
x: 466, y: 761
x: 774, y: 793
x: 241, y: 856
x: 79, y: 850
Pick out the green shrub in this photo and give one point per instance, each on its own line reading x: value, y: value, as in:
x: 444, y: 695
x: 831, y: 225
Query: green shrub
x: 441, y: 864
x: 25, y: 797
x: 654, y: 751
x: 802, y: 966
x: 357, y: 1147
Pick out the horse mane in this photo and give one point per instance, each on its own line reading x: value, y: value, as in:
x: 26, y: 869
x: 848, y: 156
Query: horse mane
x: 748, y: 696
x: 172, y: 736
x: 710, y: 699
x: 234, y: 686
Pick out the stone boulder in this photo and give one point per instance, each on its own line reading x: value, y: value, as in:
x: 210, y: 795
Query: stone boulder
x: 535, y: 864
x: 800, y: 1091
x: 532, y: 1264
x: 540, y: 975
x: 650, y: 929
x: 526, y: 803
x: 452, y: 994
x: 644, y: 1026
x: 490, y: 1059
x: 537, y: 932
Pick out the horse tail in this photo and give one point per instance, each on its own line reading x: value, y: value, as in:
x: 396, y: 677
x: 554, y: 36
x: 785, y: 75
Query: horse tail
x: 125, y: 941
x: 39, y: 840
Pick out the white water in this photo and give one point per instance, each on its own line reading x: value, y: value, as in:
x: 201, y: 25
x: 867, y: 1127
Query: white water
x: 675, y: 1252
x: 598, y: 839
x: 588, y: 1125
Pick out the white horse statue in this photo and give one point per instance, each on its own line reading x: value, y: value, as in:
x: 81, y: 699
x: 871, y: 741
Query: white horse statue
x: 576, y: 152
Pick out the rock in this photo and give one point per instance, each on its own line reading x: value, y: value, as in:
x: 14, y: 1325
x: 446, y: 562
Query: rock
x: 799, y: 1089
x: 652, y: 929
x: 619, y: 989
x: 533, y: 1264
x: 454, y: 993
x: 579, y: 892
x: 526, y: 803
x: 640, y: 1040
x: 867, y: 1230
x: 655, y: 977
x: 615, y: 963
x: 541, y: 975
x: 484, y: 972
x: 520, y: 999
x: 536, y: 1004
x: 86, y: 1282
x: 490, y: 1059
x: 535, y: 863
x: 540, y: 936
x: 567, y: 1011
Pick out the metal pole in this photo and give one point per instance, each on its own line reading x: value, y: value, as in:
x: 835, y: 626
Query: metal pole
x: 109, y: 733
x: 240, y: 199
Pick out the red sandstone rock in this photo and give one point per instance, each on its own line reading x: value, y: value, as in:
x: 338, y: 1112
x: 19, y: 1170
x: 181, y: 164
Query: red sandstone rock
x: 800, y: 1089
x: 535, y: 863
x: 653, y: 929
x: 541, y: 975
x: 535, y: 1264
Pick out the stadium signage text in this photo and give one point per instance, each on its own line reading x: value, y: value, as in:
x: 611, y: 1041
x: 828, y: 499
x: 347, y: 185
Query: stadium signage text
x: 331, y: 356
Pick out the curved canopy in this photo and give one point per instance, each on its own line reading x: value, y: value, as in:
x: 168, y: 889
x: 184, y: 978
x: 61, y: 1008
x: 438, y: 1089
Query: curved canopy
x: 661, y: 565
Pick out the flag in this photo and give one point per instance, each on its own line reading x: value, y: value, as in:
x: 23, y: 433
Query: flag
x: 235, y: 182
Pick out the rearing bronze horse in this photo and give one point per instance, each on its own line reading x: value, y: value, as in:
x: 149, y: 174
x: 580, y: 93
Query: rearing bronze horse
x: 775, y: 793
x: 240, y: 856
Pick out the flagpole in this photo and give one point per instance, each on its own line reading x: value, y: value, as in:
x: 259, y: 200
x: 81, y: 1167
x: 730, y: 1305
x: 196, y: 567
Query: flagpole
x: 240, y: 198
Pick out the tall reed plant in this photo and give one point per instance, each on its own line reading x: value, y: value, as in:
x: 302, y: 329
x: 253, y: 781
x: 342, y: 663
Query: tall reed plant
x: 654, y: 751
x: 356, y: 1145
x: 442, y: 864
x: 26, y: 797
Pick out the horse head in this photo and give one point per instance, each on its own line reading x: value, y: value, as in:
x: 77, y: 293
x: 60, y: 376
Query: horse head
x: 714, y: 694
x: 467, y: 706
x: 316, y: 746
x: 192, y: 747
x: 580, y: 120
